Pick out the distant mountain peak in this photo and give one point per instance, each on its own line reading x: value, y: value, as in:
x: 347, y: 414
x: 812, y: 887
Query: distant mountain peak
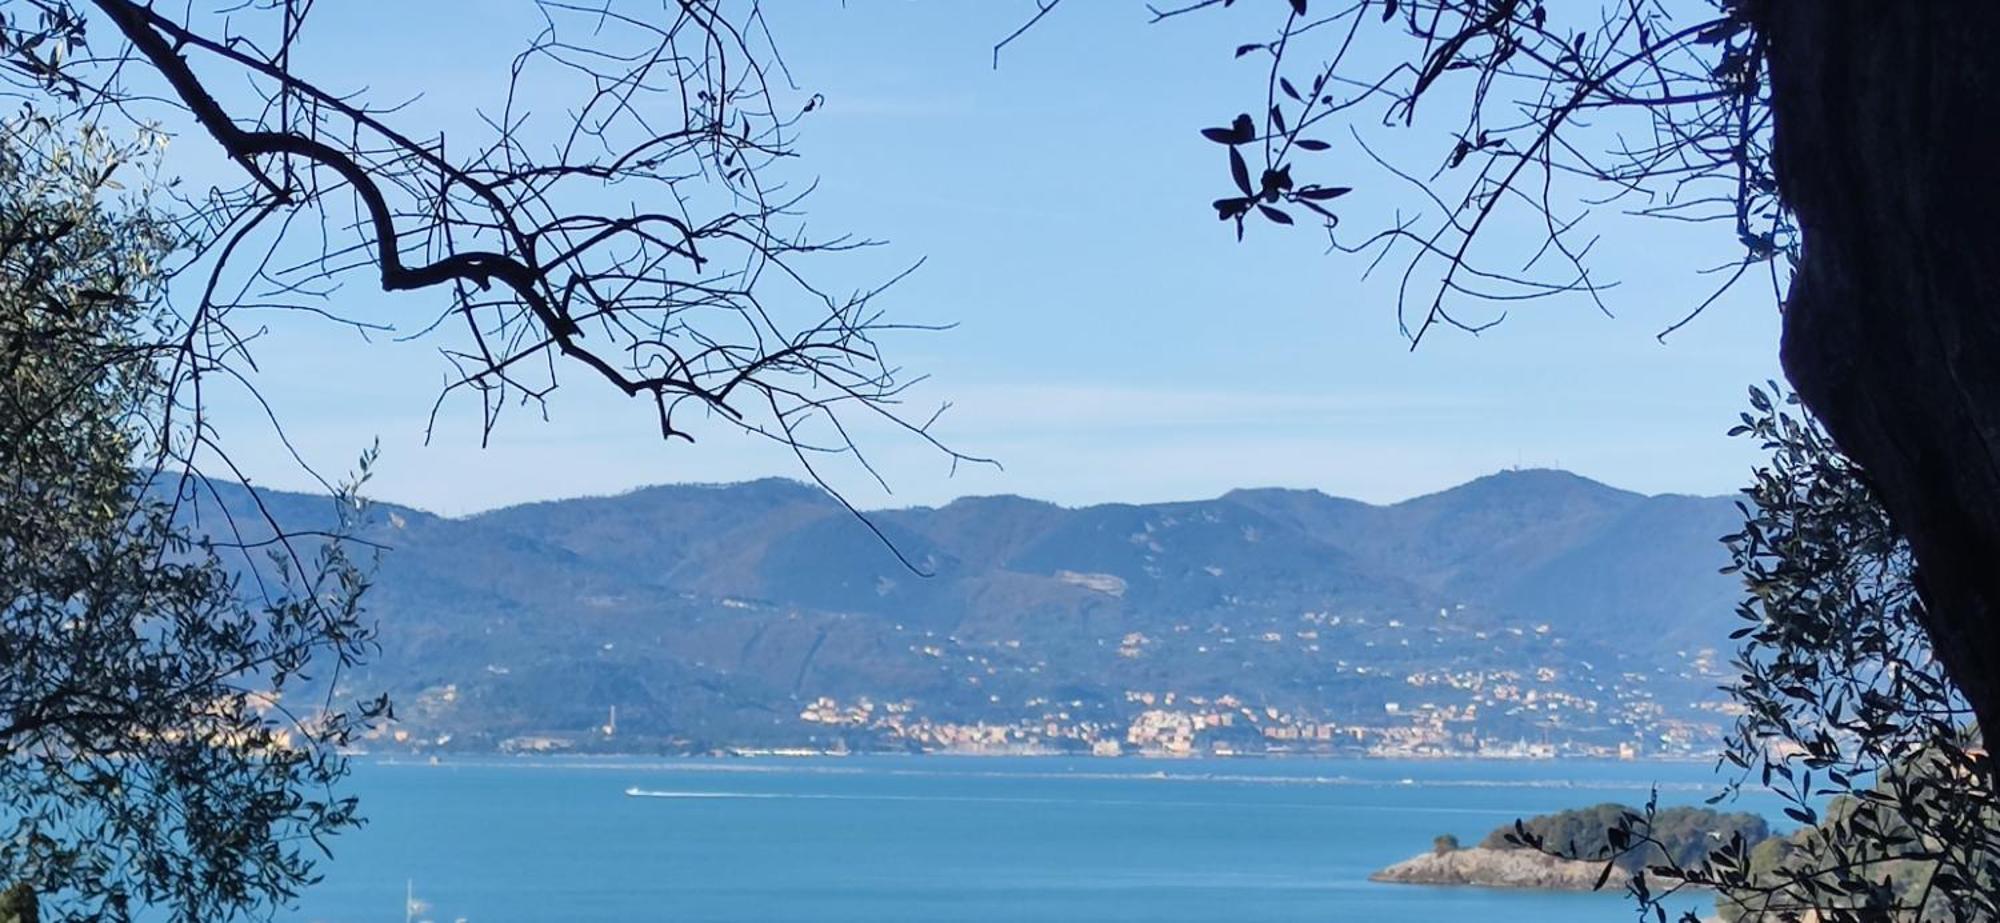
x: 1291, y: 492
x: 1543, y: 477
x: 1001, y: 501
x: 1530, y: 485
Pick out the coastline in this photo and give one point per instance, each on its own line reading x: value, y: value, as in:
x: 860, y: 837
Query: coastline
x: 787, y: 753
x: 1180, y: 771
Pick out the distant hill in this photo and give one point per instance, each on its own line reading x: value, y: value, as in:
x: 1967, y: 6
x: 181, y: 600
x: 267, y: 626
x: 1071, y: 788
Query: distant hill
x: 722, y: 615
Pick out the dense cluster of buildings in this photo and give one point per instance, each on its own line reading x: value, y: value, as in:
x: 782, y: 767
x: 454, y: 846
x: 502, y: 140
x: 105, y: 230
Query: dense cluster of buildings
x: 1498, y: 713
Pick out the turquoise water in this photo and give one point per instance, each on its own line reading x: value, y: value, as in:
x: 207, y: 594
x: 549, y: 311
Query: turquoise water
x: 887, y: 839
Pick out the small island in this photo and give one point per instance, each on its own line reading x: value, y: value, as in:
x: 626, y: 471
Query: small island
x: 1501, y: 860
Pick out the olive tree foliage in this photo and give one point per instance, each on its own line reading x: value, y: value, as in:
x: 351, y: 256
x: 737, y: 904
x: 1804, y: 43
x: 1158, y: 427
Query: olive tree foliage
x: 1847, y: 714
x: 158, y: 747
x: 1679, y: 835
x: 613, y: 208
x: 1846, y: 698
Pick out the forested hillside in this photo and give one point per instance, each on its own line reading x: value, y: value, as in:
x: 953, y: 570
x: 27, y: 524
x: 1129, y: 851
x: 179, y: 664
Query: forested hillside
x: 1533, y: 606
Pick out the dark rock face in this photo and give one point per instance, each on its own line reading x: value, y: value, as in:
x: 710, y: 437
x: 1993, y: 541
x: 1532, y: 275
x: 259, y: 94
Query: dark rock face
x: 1892, y: 325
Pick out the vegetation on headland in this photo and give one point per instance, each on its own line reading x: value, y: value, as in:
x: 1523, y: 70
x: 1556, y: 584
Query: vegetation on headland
x: 1680, y: 835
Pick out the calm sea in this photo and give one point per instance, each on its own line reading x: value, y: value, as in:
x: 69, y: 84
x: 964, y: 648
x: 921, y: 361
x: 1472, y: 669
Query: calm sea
x: 887, y: 839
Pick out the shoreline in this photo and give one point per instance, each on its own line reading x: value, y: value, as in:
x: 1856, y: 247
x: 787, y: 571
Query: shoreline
x: 1163, y: 758
x: 1153, y: 772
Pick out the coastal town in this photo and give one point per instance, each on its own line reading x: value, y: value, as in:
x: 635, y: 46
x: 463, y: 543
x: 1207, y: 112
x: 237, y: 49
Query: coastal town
x: 1179, y: 725
x: 1532, y: 713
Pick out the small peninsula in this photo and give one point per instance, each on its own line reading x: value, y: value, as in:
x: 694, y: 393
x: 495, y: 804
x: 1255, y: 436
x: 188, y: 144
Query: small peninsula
x: 1501, y: 860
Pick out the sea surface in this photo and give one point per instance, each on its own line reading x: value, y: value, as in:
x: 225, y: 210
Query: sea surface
x: 941, y: 839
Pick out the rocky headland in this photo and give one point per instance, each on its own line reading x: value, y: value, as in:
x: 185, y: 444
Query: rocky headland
x: 1499, y: 868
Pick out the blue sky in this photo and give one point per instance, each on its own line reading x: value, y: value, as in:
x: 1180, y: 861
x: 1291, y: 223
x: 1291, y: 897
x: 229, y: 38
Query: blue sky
x: 1114, y: 341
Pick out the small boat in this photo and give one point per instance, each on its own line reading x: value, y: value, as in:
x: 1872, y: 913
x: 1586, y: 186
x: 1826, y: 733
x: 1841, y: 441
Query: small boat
x: 635, y: 792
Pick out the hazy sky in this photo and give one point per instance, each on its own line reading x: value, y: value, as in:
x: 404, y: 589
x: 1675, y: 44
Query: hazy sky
x: 1114, y: 341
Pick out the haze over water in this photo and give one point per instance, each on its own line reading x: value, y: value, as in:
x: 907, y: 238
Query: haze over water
x: 888, y: 839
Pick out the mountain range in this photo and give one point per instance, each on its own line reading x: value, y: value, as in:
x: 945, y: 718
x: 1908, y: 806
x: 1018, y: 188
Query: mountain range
x: 764, y: 614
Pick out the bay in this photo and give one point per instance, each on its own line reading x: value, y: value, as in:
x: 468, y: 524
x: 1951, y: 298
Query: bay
x: 882, y: 839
